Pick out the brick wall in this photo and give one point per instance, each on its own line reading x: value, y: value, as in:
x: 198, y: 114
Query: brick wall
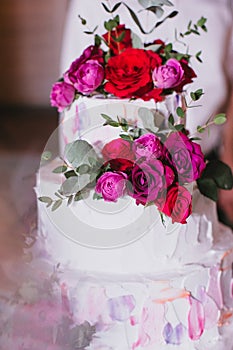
x: 30, y: 39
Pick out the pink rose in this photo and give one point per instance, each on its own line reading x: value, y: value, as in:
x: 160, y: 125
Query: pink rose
x: 62, y: 95
x: 146, y: 181
x: 186, y: 156
x: 168, y: 75
x: 177, y: 204
x: 86, y: 73
x: 148, y: 145
x: 111, y: 185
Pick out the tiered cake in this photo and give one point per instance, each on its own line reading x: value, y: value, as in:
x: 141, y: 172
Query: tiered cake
x: 139, y: 272
x: 138, y: 283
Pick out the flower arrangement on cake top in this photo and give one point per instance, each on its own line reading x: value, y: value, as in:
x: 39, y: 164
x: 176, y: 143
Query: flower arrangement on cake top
x: 153, y: 163
x: 120, y: 64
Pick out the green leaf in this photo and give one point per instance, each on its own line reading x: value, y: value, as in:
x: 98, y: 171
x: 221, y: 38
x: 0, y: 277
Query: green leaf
x: 78, y: 152
x: 220, y: 119
x: 83, y: 169
x: 198, y: 56
x: 208, y: 188
x: 196, y: 95
x: 136, y: 41
x: 46, y: 155
x: 179, y: 127
x: 45, y: 199
x: 125, y: 137
x: 115, y: 7
x: 56, y: 204
x: 98, y: 40
x: 75, y: 184
x: 83, y: 21
x: 200, y: 129
x: 180, y: 112
x: 201, y: 22
x: 171, y: 120
x: 58, y: 195
x: 119, y: 38
x: 70, y: 199
x: 135, y: 19
x: 90, y: 32
x: 220, y: 173
x: 97, y: 196
x: 148, y: 119
x: 70, y: 173
x: 112, y: 123
x: 157, y: 10
x: 60, y: 169
x: 168, y: 47
x: 110, y: 25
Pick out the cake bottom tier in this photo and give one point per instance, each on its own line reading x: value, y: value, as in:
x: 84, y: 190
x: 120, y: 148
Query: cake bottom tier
x: 56, y: 309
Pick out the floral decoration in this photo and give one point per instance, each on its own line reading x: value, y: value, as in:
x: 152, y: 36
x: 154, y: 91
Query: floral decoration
x: 153, y: 165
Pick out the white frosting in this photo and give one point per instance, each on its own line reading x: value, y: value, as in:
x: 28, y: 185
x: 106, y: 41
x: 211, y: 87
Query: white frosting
x: 123, y: 254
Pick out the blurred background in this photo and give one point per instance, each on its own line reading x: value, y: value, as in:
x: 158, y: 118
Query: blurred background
x: 30, y: 41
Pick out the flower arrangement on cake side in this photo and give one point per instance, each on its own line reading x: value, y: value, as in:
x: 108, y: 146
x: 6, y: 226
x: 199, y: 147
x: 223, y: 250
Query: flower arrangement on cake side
x: 154, y: 163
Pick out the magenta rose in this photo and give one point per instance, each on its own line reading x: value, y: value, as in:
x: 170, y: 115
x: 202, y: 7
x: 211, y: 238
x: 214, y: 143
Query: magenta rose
x: 169, y: 175
x: 62, y: 95
x: 168, y: 75
x: 86, y: 73
x: 186, y: 156
x: 146, y: 181
x: 177, y: 204
x: 111, y: 185
x: 148, y: 145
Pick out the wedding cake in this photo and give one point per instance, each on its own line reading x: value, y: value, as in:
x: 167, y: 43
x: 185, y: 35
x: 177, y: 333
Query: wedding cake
x: 145, y: 263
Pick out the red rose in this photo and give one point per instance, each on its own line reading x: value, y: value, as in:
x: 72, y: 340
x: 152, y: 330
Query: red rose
x: 177, y: 204
x: 118, y: 148
x: 155, y: 59
x: 115, y: 46
x: 129, y: 74
x: 188, y: 76
x: 119, y: 154
x: 154, y: 94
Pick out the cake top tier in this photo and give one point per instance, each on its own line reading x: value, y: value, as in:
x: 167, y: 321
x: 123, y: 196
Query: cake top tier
x: 120, y: 64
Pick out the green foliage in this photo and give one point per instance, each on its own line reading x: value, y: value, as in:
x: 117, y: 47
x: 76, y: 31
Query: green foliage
x: 196, y: 95
x: 78, y: 153
x: 60, y: 169
x: 180, y: 112
x: 216, y: 175
x: 220, y: 119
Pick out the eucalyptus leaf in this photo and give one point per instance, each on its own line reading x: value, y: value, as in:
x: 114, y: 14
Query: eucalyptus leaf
x: 45, y: 199
x: 220, y: 119
x: 75, y: 184
x: 60, y: 169
x: 56, y: 204
x: 180, y: 112
x: 70, y: 173
x: 136, y: 41
x: 46, y: 155
x: 78, y: 153
x: 200, y: 129
x: 157, y: 10
x: 147, y: 117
